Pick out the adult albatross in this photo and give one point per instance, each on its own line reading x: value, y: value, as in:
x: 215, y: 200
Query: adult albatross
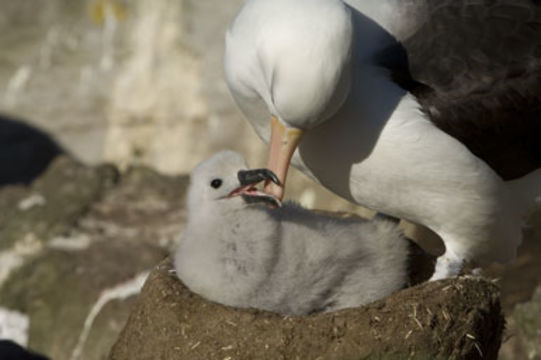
x: 421, y: 109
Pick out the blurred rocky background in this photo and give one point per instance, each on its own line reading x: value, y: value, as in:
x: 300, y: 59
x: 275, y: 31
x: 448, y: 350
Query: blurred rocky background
x: 128, y: 82
x: 136, y: 84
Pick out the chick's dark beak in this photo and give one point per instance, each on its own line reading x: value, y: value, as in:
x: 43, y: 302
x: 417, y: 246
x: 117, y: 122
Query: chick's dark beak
x: 248, y: 180
x: 255, y: 176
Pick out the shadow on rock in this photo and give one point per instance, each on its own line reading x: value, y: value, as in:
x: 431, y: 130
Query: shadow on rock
x: 11, y: 351
x: 25, y: 152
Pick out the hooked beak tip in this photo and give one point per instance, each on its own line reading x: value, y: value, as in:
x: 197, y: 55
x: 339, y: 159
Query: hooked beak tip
x: 255, y: 176
x: 248, y: 179
x: 275, y: 190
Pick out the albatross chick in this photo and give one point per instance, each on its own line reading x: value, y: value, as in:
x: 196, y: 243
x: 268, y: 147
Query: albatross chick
x: 238, y: 251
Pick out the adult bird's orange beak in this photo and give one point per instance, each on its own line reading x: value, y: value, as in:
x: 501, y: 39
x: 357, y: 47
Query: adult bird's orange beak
x: 283, y: 142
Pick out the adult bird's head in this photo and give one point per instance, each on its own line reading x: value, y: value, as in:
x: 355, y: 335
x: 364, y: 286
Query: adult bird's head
x: 223, y: 182
x: 294, y: 58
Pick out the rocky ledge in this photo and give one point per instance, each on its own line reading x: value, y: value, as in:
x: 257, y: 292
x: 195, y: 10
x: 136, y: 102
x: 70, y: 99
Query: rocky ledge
x: 75, y: 246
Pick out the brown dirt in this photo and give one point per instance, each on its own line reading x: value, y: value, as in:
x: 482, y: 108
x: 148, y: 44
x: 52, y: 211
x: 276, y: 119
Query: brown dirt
x: 453, y: 319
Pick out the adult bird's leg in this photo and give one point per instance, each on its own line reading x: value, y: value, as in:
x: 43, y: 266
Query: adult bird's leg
x: 283, y: 142
x: 448, y: 265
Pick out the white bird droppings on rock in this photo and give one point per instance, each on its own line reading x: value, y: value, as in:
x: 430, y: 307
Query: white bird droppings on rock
x: 70, y: 243
x: 120, y: 292
x: 14, y: 258
x: 31, y: 201
x: 30, y: 244
x: 14, y: 326
x: 9, y: 261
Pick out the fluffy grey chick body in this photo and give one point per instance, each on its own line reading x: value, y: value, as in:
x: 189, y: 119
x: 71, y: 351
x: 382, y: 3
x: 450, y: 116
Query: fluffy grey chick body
x: 287, y: 260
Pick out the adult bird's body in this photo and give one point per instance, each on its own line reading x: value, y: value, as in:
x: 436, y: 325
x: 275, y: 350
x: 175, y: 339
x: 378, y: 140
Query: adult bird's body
x: 421, y: 109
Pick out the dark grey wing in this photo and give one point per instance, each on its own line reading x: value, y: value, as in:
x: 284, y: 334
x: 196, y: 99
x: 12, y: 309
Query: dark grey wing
x: 475, y: 66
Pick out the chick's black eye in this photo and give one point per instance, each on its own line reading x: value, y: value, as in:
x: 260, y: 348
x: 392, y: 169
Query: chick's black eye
x: 216, y: 183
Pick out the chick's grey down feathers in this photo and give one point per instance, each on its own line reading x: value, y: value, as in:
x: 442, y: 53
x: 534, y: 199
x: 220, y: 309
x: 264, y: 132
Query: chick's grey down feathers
x: 288, y: 260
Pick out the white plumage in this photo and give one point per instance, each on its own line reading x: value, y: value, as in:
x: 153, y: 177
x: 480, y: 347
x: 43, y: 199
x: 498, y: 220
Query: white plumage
x: 288, y: 260
x: 310, y: 65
